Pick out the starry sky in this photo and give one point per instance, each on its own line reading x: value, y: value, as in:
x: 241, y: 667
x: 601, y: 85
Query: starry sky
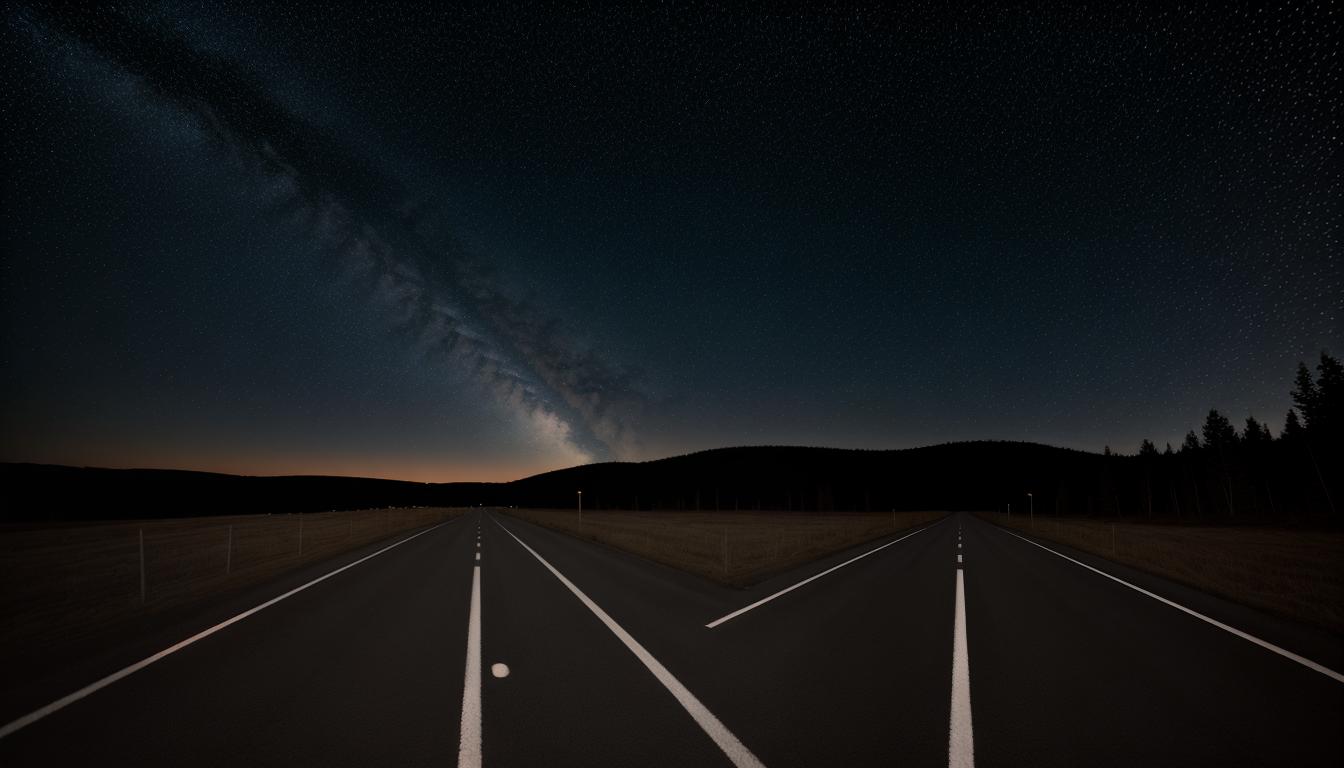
x: 443, y: 244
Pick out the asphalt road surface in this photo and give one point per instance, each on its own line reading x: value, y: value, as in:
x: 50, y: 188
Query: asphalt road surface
x: 958, y: 644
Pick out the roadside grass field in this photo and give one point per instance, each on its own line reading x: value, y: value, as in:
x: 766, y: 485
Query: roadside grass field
x: 64, y: 583
x: 734, y: 548
x: 1294, y: 573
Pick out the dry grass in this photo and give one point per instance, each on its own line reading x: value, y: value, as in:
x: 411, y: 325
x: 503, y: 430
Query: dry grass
x: 1298, y: 574
x: 736, y: 548
x: 64, y: 583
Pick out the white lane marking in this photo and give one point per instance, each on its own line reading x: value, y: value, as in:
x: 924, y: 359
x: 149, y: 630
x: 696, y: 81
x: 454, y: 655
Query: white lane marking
x: 809, y: 579
x: 499, y: 669
x: 958, y: 557
x: 98, y: 685
x: 960, y: 741
x: 1287, y: 654
x: 736, y: 751
x: 478, y: 557
x: 469, y: 744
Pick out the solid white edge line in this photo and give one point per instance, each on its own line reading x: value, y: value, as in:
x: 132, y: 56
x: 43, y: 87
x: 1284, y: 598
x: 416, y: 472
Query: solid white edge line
x: 469, y: 744
x: 960, y: 739
x: 814, y: 577
x: 98, y: 685
x: 1287, y: 654
x: 734, y: 749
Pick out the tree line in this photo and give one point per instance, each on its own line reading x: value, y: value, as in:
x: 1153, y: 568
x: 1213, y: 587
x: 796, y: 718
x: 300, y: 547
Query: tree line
x: 1225, y: 473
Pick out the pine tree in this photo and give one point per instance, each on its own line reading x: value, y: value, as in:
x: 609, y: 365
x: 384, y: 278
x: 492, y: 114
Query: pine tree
x: 1220, y: 435
x: 1191, y: 443
x: 1329, y: 397
x: 1218, y: 431
x: 1304, y: 394
x: 1147, y: 449
x: 1168, y: 452
x: 1292, y: 428
x: 1255, y: 432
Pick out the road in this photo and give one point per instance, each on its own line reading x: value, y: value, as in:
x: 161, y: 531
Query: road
x: 491, y: 641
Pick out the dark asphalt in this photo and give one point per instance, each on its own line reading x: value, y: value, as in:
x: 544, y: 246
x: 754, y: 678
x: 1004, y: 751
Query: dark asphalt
x: 1067, y: 667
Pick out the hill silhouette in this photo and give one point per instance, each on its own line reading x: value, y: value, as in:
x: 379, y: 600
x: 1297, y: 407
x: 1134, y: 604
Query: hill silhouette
x: 1201, y: 484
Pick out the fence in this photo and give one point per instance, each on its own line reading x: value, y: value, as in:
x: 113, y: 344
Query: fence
x: 62, y: 583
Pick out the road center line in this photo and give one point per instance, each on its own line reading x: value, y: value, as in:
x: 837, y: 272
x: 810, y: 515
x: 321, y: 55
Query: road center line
x: 960, y: 743
x: 98, y: 685
x: 469, y: 745
x: 735, y: 750
x: 812, y: 578
x: 1287, y: 654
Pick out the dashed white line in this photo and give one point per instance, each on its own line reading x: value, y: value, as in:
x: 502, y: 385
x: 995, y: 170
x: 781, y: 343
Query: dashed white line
x: 812, y: 578
x: 98, y: 685
x: 1287, y: 654
x: 469, y: 745
x: 960, y: 741
x: 734, y: 749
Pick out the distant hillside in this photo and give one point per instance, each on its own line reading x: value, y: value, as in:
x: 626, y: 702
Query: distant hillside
x: 45, y: 492
x: 955, y: 475
x: 1273, y: 485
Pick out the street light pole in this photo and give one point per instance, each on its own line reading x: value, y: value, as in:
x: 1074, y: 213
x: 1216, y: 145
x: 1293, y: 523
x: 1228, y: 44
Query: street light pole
x: 580, y: 510
x: 1031, y: 500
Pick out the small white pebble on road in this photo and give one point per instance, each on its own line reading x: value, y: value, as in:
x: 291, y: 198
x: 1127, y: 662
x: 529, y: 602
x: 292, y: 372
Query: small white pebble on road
x: 499, y: 670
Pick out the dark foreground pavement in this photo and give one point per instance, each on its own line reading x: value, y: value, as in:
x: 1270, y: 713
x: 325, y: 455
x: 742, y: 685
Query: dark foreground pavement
x: 617, y: 667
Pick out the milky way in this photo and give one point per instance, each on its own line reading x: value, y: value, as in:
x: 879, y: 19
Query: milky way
x: 445, y: 243
x: 435, y: 295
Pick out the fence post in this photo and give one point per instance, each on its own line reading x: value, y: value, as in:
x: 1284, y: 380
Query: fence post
x: 228, y: 553
x: 300, y: 534
x: 142, y: 566
x: 725, y: 553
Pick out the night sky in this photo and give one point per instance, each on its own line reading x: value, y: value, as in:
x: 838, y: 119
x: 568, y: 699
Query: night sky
x: 444, y: 245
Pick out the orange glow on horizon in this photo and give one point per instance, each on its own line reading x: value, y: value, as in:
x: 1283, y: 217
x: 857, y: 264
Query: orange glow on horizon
x: 420, y: 470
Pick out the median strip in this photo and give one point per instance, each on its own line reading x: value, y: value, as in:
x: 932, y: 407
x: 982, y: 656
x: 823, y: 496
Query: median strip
x: 469, y: 745
x: 960, y: 740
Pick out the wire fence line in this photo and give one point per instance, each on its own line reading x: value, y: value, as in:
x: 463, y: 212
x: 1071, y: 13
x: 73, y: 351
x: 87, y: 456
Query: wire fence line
x: 65, y: 582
